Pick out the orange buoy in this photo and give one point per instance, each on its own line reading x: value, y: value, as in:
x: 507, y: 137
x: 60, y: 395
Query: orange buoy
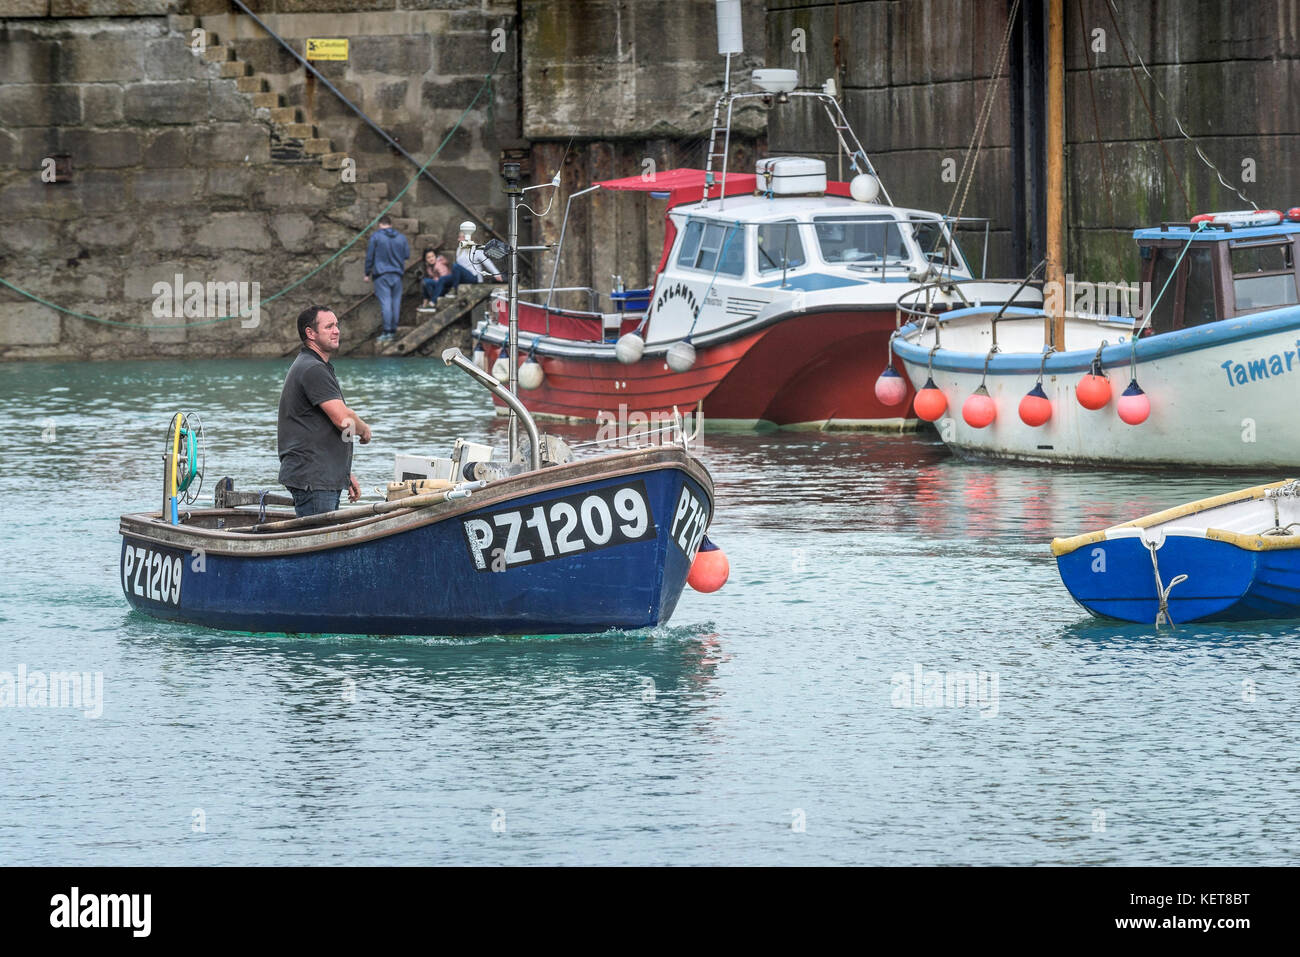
x: 930, y: 402
x: 710, y: 569
x: 979, y: 410
x: 1093, y: 390
x: 891, y: 388
x: 1035, y: 407
x: 1133, y: 406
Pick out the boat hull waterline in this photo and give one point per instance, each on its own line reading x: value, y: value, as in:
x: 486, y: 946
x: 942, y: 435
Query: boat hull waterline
x: 592, y: 545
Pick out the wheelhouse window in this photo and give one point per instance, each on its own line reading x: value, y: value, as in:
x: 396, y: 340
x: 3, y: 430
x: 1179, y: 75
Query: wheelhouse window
x: 779, y: 247
x: 713, y: 247
x: 868, y: 240
x: 938, y: 245
x: 1263, y: 275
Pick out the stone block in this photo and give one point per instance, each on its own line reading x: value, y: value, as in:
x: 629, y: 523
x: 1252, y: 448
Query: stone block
x: 164, y: 236
x: 167, y: 148
x: 317, y: 147
x: 217, y: 54
x: 230, y: 181
x: 286, y: 187
x: 300, y: 131
x: 250, y: 84
x: 32, y: 104
x: 234, y: 69
x: 28, y: 56
x: 333, y: 160
x: 158, y: 104
x: 9, y: 149
x: 466, y: 53
x: 393, y: 55
x: 113, y: 8
x: 226, y: 103
x: 26, y: 8
x: 102, y: 191
x: 112, y: 232
x: 166, y: 187
x: 30, y: 198
x: 293, y: 230
x: 36, y: 238
x: 233, y: 143
x: 170, y: 58
x: 111, y: 56
x: 101, y: 104
x: 235, y: 231
x: 102, y: 149
x: 269, y: 101
x: 28, y: 324
x: 284, y: 114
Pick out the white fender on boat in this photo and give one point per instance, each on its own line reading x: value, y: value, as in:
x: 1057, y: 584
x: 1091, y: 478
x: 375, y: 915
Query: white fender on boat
x: 629, y: 348
x: 501, y: 368
x: 864, y: 188
x: 479, y: 358
x: 531, y: 374
x: 681, y: 356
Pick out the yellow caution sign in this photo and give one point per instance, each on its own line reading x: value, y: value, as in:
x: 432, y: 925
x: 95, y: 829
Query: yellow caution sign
x: 327, y: 49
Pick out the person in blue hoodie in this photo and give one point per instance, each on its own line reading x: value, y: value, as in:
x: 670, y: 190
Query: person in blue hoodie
x: 386, y: 256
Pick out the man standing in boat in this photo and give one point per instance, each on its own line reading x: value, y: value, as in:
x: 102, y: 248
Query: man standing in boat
x: 315, y: 426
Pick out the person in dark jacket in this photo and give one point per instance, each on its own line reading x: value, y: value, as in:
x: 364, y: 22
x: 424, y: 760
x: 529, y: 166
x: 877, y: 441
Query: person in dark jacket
x: 386, y: 256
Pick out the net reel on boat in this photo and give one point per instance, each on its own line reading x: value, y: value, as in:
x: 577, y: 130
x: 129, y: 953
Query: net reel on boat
x: 184, y: 458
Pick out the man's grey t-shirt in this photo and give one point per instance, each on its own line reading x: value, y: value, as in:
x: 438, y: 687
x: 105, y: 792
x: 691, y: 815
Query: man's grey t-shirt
x: 313, y: 453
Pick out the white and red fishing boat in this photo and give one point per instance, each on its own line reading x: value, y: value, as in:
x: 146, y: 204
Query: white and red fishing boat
x: 773, y: 301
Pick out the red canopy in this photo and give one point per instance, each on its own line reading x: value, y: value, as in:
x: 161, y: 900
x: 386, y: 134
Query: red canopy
x: 682, y: 185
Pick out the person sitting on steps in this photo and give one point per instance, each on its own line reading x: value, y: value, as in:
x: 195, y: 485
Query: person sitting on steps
x: 437, y: 276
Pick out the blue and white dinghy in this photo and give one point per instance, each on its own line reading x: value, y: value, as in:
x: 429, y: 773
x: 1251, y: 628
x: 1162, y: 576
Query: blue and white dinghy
x: 547, y: 543
x: 1228, y: 558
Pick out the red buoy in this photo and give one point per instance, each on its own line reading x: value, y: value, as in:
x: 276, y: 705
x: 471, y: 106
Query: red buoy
x: 930, y: 403
x: 979, y: 410
x: 710, y: 569
x: 1133, y: 406
x: 1035, y: 407
x: 1093, y: 391
x: 1293, y: 214
x: 891, y: 388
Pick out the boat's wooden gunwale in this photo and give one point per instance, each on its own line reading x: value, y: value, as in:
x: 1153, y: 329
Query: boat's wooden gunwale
x: 1063, y: 546
x: 149, y: 526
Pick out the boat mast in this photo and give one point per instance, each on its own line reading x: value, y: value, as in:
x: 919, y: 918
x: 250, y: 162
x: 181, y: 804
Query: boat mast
x: 1054, y: 319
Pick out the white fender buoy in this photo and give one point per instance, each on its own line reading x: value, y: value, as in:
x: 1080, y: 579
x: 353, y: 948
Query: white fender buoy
x: 501, y: 368
x: 531, y: 374
x: 681, y: 356
x: 629, y: 348
x: 479, y: 357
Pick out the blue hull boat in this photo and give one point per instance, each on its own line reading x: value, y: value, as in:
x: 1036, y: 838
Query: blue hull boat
x: 590, y: 545
x: 1233, y: 557
x: 557, y: 544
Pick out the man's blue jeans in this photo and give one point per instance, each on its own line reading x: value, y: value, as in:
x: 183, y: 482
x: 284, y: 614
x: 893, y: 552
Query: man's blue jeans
x: 388, y: 290
x: 314, y: 501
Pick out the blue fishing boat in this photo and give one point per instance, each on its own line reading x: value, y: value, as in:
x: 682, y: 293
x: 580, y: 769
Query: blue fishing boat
x: 556, y: 544
x: 1229, y: 558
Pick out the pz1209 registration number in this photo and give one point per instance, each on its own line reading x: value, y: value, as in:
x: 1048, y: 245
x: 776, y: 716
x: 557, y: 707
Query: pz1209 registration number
x: 559, y: 528
x: 152, y: 575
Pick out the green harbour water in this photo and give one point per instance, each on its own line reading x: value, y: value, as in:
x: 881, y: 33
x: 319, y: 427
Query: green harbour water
x: 772, y: 722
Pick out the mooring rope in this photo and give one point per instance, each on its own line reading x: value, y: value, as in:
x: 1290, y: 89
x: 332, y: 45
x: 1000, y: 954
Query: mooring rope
x: 486, y: 85
x: 1162, y: 616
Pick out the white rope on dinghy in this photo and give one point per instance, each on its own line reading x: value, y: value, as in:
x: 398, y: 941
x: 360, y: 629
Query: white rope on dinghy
x: 1162, y: 616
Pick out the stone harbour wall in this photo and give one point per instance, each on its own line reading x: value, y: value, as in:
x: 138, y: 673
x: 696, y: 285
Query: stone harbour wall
x: 194, y: 146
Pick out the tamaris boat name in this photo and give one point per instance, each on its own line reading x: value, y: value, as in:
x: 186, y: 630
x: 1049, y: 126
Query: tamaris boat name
x: 1259, y: 368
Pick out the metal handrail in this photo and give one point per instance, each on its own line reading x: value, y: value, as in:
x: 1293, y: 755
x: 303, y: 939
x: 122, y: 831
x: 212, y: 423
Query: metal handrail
x: 367, y: 120
x: 492, y: 384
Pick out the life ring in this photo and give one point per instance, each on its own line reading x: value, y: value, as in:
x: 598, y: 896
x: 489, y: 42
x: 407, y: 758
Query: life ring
x: 1240, y: 217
